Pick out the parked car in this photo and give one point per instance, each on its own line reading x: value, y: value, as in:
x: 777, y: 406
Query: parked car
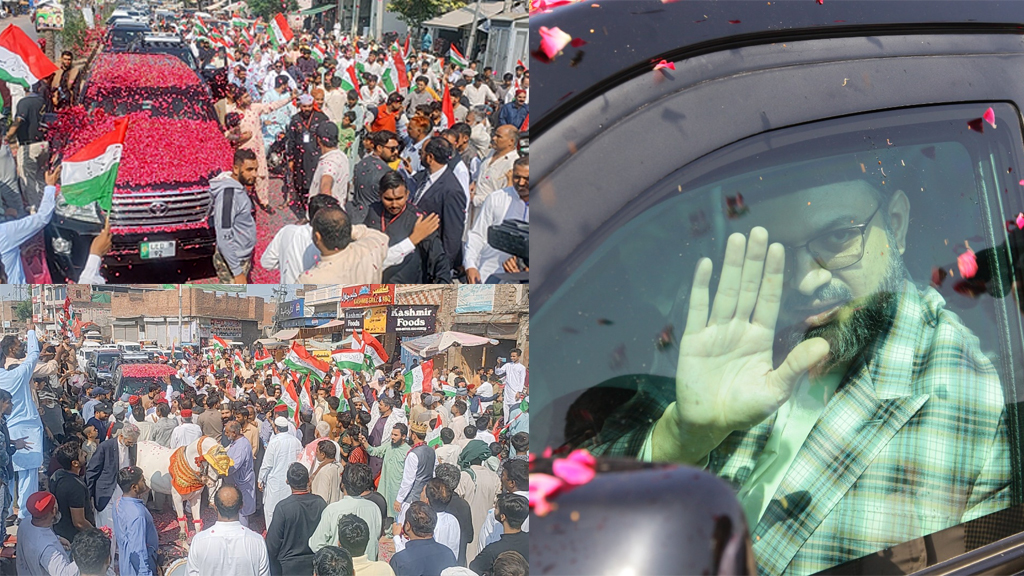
x: 101, y: 368
x: 134, y: 377
x: 780, y: 174
x: 124, y: 31
x: 160, y: 206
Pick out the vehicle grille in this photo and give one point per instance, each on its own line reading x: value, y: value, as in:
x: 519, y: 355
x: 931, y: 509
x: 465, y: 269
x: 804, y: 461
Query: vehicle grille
x: 160, y: 208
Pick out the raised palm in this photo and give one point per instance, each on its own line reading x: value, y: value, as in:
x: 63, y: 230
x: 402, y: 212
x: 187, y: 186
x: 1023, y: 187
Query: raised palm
x: 725, y: 379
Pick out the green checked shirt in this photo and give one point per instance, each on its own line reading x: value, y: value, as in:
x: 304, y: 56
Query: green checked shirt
x: 914, y: 441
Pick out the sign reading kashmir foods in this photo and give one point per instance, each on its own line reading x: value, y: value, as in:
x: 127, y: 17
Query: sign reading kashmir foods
x: 412, y: 320
x: 366, y: 295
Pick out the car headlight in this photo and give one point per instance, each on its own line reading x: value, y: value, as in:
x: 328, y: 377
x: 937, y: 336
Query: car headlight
x: 88, y: 213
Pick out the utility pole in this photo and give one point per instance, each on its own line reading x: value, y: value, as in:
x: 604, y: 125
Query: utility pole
x: 355, y: 19
x: 472, y: 32
x: 181, y: 338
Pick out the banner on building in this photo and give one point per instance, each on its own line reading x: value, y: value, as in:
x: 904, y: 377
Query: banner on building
x: 376, y: 322
x: 293, y: 309
x: 353, y: 319
x: 412, y: 320
x: 223, y: 328
x: 366, y: 296
x: 475, y: 298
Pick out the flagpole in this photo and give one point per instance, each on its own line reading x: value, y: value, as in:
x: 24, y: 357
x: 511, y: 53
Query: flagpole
x: 180, y: 337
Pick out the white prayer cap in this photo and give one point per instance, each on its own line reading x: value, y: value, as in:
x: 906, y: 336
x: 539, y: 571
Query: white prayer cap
x: 281, y: 422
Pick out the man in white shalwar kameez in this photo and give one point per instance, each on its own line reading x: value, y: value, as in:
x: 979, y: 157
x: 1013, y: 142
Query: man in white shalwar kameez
x: 24, y: 421
x: 282, y: 450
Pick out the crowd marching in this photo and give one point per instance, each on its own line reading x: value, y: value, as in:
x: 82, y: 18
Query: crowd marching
x: 332, y: 462
x: 416, y: 153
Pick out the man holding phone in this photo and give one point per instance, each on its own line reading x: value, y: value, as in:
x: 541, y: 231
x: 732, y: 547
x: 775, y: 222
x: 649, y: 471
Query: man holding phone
x: 515, y: 380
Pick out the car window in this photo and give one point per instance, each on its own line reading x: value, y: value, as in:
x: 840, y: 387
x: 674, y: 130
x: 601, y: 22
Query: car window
x: 827, y: 316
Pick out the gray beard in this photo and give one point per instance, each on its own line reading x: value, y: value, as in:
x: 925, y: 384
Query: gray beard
x: 850, y: 337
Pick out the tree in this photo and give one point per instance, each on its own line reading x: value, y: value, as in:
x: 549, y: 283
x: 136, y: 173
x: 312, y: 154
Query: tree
x: 23, y: 310
x: 267, y: 9
x: 416, y: 12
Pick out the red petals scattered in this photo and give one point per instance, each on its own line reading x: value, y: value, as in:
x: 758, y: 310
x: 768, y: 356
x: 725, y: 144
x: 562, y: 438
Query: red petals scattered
x: 820, y: 1
x: 967, y: 263
x: 543, y: 486
x: 977, y: 125
x: 553, y: 40
x: 575, y: 470
x: 147, y: 370
x: 577, y: 42
x: 662, y: 65
x: 990, y: 117
x: 734, y: 21
x: 547, y: 5
x: 1020, y: 220
x: 141, y: 70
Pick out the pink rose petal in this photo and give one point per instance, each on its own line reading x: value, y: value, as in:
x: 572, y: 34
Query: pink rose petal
x: 553, y: 40
x: 574, y: 473
x: 577, y: 42
x: 547, y: 452
x: 967, y: 263
x: 1020, y: 221
x: 990, y: 117
x: 542, y: 486
x: 663, y: 65
x: 583, y: 457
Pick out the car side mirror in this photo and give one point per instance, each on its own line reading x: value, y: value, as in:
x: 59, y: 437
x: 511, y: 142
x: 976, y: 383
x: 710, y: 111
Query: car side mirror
x: 635, y: 518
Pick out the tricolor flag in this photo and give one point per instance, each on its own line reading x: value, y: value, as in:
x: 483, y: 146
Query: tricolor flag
x: 456, y: 57
x: 305, y: 398
x: 403, y: 77
x: 389, y: 78
x: 405, y: 49
x: 237, y: 21
x: 280, y: 32
x: 218, y: 343
x: 349, y: 80
x: 275, y: 378
x: 248, y: 36
x: 348, y: 359
x: 201, y: 26
x: 21, y: 60
x: 300, y: 360
x: 526, y: 123
x: 291, y: 398
x: 338, y: 385
x: 317, y: 53
x: 374, y: 351
x: 419, y: 378
x: 263, y: 360
x: 237, y: 357
x: 89, y: 175
x: 433, y: 438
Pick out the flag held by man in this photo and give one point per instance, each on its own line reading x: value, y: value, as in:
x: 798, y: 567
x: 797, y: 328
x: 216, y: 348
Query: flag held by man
x: 89, y: 174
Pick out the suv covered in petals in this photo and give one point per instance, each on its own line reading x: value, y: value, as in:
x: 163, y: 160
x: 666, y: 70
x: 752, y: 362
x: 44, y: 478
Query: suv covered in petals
x: 174, y: 145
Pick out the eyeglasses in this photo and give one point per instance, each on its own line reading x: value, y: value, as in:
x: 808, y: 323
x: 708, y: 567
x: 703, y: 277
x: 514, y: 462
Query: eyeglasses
x: 836, y: 249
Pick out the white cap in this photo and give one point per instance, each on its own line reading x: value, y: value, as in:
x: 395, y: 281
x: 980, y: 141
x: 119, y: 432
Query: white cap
x: 281, y: 422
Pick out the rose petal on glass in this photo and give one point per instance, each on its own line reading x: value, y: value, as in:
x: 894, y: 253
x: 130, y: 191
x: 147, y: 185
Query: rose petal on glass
x: 583, y: 457
x: 542, y: 486
x: 577, y: 42
x: 1020, y: 220
x: 663, y: 65
x: 821, y: 1
x: 734, y: 21
x: 977, y: 125
x: 547, y: 452
x: 967, y: 263
x: 990, y: 117
x: 572, y: 472
x: 553, y: 40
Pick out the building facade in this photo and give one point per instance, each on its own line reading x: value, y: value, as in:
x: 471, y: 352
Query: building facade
x: 162, y: 317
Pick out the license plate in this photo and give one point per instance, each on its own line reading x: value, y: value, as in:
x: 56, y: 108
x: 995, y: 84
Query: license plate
x: 151, y: 250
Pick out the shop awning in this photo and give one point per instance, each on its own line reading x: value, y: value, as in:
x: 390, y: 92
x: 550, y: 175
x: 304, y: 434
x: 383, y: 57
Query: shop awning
x: 434, y: 344
x: 317, y: 9
x: 463, y: 17
x: 289, y: 334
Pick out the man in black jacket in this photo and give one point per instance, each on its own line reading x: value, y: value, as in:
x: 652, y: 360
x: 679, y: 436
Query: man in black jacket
x: 438, y: 191
x: 101, y: 476
x: 303, y: 150
x: 513, y: 510
x: 415, y: 253
x: 295, y: 519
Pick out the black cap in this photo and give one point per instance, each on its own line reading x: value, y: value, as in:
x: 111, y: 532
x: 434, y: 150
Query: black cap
x: 327, y: 133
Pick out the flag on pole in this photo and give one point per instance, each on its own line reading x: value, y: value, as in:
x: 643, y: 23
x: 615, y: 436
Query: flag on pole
x: 237, y: 358
x: 218, y: 343
x: 526, y: 123
x: 280, y: 32
x: 419, y: 378
x: 389, y: 78
x: 318, y: 53
x: 433, y: 438
x: 21, y: 60
x: 201, y: 26
x: 456, y: 57
x: 263, y: 359
x: 349, y: 80
x: 305, y: 398
x: 338, y: 385
x: 405, y: 49
x: 446, y: 106
x: 291, y: 398
x: 89, y: 175
x: 300, y: 360
x: 374, y: 351
x: 275, y: 378
x: 348, y: 359
x: 403, y: 77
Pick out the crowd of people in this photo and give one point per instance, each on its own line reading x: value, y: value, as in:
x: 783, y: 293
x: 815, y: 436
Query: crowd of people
x: 418, y: 155
x: 361, y: 466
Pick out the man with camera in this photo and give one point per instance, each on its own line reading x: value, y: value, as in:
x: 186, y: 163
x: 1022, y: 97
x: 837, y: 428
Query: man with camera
x: 510, y: 203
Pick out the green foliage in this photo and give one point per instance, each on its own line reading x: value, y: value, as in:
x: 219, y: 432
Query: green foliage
x: 416, y: 12
x: 73, y: 34
x: 23, y: 310
x: 269, y: 8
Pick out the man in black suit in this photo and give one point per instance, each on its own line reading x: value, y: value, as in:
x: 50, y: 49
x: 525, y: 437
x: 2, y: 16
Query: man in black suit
x: 101, y: 476
x: 438, y: 191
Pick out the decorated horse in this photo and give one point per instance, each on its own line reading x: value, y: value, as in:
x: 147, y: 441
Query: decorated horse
x: 183, y: 473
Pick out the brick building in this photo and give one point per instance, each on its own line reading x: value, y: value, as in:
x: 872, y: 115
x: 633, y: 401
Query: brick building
x: 154, y: 316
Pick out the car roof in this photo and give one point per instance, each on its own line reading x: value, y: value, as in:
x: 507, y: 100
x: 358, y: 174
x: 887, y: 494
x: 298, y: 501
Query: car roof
x: 623, y: 39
